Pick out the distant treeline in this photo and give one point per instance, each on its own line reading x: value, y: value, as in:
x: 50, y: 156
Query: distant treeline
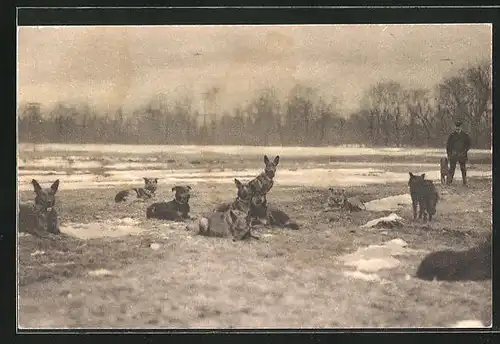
x: 389, y: 115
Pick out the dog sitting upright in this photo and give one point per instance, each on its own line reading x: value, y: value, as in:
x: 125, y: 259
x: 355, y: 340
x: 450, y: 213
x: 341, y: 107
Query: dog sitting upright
x: 40, y: 218
x: 246, y: 203
x: 175, y: 210
x: 147, y: 192
x: 264, y: 181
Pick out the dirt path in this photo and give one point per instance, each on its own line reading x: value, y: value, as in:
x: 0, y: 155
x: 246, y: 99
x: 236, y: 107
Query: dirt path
x: 287, y: 279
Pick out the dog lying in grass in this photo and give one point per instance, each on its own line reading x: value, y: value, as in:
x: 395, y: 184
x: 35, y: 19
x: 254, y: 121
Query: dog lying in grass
x: 224, y: 224
x: 41, y: 217
x: 176, y: 210
x: 147, y: 192
x: 470, y: 265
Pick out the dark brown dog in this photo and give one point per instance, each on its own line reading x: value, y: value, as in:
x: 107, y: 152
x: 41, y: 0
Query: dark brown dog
x: 470, y: 265
x: 175, y: 210
x: 41, y: 217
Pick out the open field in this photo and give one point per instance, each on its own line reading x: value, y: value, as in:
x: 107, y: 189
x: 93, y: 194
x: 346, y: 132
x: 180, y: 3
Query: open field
x: 285, y: 279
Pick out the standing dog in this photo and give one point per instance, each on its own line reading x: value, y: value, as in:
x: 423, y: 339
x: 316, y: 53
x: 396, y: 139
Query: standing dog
x: 264, y: 181
x: 424, y: 193
x: 175, y: 210
x: 444, y: 169
x: 147, y: 192
x: 41, y: 217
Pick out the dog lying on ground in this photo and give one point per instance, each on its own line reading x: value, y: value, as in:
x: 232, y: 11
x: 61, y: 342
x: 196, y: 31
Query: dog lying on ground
x: 41, y: 217
x: 147, y: 192
x: 470, y: 265
x: 176, y: 210
x: 246, y: 201
x: 273, y: 216
x: 224, y: 224
x: 424, y: 194
x: 338, y: 200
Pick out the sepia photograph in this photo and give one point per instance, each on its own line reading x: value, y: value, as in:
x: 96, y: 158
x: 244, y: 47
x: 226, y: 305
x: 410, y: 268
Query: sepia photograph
x: 254, y: 176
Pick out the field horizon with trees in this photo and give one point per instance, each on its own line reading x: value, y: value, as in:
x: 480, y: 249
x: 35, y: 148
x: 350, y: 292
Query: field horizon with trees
x: 389, y: 115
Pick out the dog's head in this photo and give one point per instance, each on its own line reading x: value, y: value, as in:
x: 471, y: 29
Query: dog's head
x: 416, y: 181
x: 239, y: 226
x: 150, y: 184
x: 182, y: 194
x: 45, y: 198
x: 271, y: 166
x: 244, y: 191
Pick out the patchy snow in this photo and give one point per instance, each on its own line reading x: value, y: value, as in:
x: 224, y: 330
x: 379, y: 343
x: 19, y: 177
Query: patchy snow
x: 384, y: 222
x: 378, y: 257
x: 234, y: 150
x: 80, y: 172
x: 389, y: 203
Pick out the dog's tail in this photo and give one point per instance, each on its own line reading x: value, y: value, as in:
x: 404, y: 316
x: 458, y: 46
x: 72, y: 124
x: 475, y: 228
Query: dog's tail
x: 150, y: 211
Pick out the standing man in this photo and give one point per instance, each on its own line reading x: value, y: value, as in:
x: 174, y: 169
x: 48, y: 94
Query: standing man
x: 457, y: 146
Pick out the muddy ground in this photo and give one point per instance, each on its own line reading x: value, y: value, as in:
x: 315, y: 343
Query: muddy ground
x: 285, y: 279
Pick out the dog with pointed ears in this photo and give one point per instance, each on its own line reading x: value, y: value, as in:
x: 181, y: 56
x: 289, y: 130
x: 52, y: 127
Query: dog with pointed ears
x: 263, y: 183
x: 176, y: 210
x: 41, y: 217
x: 144, y: 193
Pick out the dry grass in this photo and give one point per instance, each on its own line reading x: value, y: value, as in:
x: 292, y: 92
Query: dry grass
x: 289, y: 279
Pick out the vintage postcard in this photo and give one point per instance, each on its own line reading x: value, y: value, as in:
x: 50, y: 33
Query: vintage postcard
x: 254, y: 176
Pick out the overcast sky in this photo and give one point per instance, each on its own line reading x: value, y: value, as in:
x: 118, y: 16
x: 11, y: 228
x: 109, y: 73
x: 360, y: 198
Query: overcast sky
x: 112, y: 66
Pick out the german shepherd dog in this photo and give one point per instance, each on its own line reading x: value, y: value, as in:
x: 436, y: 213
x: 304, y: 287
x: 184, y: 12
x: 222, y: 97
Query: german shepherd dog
x: 147, y: 192
x: 337, y: 199
x: 424, y: 193
x: 40, y: 218
x: 175, y: 210
x: 245, y: 202
x: 264, y: 181
x: 470, y: 265
x: 224, y: 224
x: 259, y: 209
x: 444, y: 169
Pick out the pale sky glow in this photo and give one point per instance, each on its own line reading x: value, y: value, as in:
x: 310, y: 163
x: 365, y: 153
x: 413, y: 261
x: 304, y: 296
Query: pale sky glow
x: 127, y: 65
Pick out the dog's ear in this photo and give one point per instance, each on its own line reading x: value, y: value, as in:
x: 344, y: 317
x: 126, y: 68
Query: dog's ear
x: 174, y: 188
x: 423, y: 176
x: 36, y: 186
x: 411, y: 175
x: 156, y: 180
x: 233, y: 216
x: 276, y: 160
x: 55, y: 186
x: 188, y: 187
x: 145, y: 179
x: 266, y: 160
x: 238, y: 183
